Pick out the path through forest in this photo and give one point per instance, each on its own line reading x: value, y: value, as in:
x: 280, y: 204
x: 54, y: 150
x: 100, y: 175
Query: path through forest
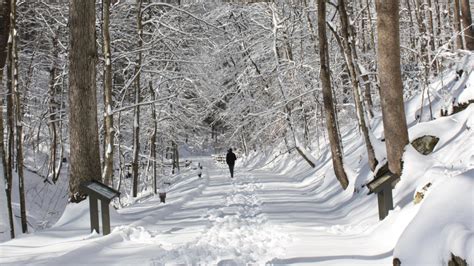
x: 257, y: 217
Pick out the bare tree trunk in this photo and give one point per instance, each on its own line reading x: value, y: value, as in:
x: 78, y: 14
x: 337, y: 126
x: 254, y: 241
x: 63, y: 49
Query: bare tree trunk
x: 336, y: 149
x: 438, y: 18
x: 119, y: 153
x: 175, y: 157
x: 367, y: 92
x: 4, y: 33
x: 10, y: 114
x: 424, y: 51
x: 349, y: 50
x: 244, y: 143
x: 412, y: 25
x: 371, y: 28
x: 83, y: 129
x: 431, y: 26
x: 467, y: 24
x: 108, y: 100
x: 61, y: 107
x: 153, y: 138
x: 18, y: 114
x: 363, y: 30
x: 420, y: 12
x: 457, y: 24
x: 391, y: 88
x: 136, y: 120
x: 6, y: 179
x: 52, y: 109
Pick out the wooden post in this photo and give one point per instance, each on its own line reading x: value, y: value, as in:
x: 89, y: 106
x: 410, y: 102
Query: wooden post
x: 94, y: 213
x: 388, y: 199
x: 105, y: 217
x: 381, y: 198
x: 96, y: 190
x: 382, y: 186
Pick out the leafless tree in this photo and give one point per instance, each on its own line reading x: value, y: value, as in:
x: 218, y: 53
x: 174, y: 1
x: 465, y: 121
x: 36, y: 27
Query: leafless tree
x: 83, y: 136
x: 391, y: 88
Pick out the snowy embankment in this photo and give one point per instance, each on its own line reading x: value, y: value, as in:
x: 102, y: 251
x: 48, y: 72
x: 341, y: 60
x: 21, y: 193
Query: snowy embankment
x: 277, y: 209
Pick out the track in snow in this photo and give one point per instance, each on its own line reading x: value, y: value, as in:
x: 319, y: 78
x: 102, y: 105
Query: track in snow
x: 237, y: 231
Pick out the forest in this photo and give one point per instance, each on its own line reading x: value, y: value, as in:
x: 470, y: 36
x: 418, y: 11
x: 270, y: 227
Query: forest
x: 140, y: 95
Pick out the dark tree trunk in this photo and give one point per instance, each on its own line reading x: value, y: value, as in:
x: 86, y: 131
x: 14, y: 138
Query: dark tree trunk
x: 17, y: 115
x: 457, y: 24
x: 83, y: 129
x: 4, y: 33
x: 336, y: 149
x: 108, y: 100
x: 52, y: 109
x: 350, y: 54
x: 153, y: 138
x: 136, y: 122
x: 10, y: 114
x: 467, y: 24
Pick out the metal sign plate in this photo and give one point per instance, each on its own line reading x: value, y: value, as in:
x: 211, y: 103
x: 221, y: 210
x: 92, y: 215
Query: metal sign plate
x: 100, y: 190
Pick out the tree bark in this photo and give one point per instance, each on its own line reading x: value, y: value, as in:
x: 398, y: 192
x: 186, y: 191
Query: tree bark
x: 10, y: 114
x: 420, y: 14
x: 153, y: 138
x: 4, y: 33
x: 108, y: 100
x: 52, y: 109
x: 136, y: 120
x: 467, y: 24
x: 17, y: 115
x: 371, y: 28
x: 336, y: 149
x: 349, y: 51
x: 391, y: 88
x: 412, y: 25
x: 457, y: 24
x: 83, y: 128
x: 431, y: 26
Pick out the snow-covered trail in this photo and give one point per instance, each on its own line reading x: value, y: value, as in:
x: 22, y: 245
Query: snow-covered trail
x: 257, y: 217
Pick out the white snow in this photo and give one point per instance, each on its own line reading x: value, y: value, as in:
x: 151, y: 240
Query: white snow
x: 443, y: 225
x: 279, y: 210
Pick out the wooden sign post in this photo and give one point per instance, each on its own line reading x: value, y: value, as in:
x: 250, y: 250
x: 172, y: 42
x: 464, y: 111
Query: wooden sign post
x: 383, y: 187
x: 98, y: 191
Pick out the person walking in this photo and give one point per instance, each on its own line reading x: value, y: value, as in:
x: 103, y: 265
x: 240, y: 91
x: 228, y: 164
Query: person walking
x: 162, y: 192
x: 230, y: 160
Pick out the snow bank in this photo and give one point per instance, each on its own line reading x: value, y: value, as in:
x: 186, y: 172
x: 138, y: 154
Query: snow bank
x: 443, y: 225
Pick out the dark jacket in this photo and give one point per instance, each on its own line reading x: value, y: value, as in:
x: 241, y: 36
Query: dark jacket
x: 230, y: 158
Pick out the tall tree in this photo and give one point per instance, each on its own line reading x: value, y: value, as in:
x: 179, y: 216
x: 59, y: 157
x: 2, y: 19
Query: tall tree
x: 334, y: 141
x: 10, y: 128
x: 16, y: 101
x: 391, y: 87
x: 136, y: 118
x: 4, y: 33
x: 350, y: 55
x: 108, y: 100
x: 457, y: 24
x: 467, y: 26
x: 83, y: 129
x: 53, y: 110
x: 153, y: 138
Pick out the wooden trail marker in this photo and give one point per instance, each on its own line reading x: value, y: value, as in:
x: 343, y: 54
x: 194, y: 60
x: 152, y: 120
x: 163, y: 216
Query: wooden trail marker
x: 98, y: 191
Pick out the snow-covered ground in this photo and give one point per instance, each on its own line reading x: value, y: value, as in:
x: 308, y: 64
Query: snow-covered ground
x: 282, y: 211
